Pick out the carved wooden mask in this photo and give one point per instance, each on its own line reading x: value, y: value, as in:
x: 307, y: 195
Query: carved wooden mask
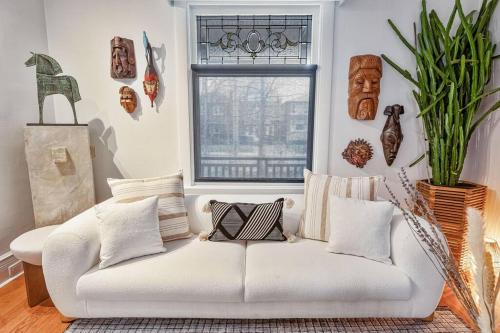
x: 392, y: 135
x: 122, y: 58
x: 151, y: 83
x: 365, y: 72
x: 128, y: 99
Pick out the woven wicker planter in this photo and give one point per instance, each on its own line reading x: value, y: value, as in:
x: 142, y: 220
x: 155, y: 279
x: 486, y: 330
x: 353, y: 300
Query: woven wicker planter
x: 450, y: 208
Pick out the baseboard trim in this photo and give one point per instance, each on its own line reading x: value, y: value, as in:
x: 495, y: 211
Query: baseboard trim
x: 5, y: 256
x: 10, y: 268
x: 9, y: 280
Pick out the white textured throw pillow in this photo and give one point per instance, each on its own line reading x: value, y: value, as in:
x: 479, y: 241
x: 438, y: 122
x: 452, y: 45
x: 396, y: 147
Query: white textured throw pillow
x: 129, y: 230
x: 361, y: 228
x: 172, y: 212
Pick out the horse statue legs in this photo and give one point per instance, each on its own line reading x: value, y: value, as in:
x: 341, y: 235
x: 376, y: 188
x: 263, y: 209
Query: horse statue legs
x: 74, y: 111
x: 41, y: 99
x: 70, y: 90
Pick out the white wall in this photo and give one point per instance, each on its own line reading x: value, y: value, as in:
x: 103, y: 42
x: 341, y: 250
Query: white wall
x: 79, y: 32
x: 361, y: 27
x: 148, y: 144
x: 22, y: 29
x: 483, y: 160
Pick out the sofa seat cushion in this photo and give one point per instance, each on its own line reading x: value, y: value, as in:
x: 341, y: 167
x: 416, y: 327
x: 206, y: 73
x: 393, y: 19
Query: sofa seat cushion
x: 190, y: 270
x: 305, y: 272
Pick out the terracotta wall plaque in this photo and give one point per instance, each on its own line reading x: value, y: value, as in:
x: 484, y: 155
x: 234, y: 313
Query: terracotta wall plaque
x: 358, y: 152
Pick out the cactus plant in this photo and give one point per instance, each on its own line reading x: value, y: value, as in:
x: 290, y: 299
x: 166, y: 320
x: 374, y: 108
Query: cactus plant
x: 453, y: 70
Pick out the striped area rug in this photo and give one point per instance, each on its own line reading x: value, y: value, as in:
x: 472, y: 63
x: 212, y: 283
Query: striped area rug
x: 444, y: 322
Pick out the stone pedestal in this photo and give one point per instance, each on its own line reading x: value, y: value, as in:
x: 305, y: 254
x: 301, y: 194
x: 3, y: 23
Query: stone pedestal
x: 60, y: 171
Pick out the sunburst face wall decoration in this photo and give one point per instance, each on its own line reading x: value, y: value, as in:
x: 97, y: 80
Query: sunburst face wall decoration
x: 358, y: 152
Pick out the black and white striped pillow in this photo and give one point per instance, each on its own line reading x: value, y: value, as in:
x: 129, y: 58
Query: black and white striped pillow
x: 247, y: 221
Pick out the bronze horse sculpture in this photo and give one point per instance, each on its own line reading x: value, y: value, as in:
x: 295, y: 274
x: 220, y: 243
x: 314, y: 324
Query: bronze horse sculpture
x: 50, y: 83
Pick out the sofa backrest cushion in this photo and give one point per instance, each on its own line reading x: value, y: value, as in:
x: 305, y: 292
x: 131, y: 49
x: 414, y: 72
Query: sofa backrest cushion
x: 200, y: 221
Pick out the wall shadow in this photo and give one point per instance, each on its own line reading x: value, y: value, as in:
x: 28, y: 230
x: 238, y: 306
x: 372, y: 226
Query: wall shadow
x: 479, y: 150
x: 160, y: 54
x: 138, y: 109
x: 104, y: 141
x: 127, y: 81
x: 479, y: 169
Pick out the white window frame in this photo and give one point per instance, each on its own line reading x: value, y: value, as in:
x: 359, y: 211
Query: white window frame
x: 321, y: 54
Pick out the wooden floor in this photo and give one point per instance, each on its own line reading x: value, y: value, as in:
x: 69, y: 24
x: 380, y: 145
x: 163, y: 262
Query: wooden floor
x: 450, y: 301
x: 17, y: 316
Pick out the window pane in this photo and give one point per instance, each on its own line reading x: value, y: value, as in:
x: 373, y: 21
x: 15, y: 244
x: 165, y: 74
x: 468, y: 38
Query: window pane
x: 252, y: 128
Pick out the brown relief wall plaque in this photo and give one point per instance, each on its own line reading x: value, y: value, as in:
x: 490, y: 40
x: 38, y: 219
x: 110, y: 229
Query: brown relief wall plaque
x: 122, y: 58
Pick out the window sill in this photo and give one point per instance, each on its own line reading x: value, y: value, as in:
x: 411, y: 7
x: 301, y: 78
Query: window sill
x: 238, y: 188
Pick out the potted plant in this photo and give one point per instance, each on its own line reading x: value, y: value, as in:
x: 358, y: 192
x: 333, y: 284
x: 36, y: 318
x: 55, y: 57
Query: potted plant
x: 454, y: 61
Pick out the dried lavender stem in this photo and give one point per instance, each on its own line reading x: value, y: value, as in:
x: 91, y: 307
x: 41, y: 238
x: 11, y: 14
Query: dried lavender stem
x: 435, y: 247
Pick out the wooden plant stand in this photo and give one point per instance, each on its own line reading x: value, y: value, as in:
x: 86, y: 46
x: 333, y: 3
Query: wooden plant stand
x: 449, y: 205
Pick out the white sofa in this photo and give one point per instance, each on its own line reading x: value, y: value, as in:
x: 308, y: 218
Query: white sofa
x: 254, y: 279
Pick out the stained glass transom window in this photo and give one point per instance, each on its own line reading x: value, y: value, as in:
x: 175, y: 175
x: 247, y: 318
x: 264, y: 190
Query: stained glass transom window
x: 254, y: 39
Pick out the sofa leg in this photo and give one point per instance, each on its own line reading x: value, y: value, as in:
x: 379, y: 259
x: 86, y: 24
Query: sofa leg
x: 429, y: 318
x: 67, y: 320
x: 36, y: 291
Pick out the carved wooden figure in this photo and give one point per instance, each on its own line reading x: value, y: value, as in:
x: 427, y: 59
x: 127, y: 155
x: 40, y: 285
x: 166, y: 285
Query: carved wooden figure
x: 50, y: 83
x: 122, y: 58
x: 128, y: 99
x: 365, y: 72
x: 392, y: 135
x: 151, y: 82
x: 358, y: 152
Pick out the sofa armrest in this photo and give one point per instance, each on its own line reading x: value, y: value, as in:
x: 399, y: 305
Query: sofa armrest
x: 68, y: 253
x: 409, y: 256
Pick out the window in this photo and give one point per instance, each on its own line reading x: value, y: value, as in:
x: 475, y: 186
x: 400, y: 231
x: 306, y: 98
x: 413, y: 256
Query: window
x: 254, y: 39
x: 253, y: 98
